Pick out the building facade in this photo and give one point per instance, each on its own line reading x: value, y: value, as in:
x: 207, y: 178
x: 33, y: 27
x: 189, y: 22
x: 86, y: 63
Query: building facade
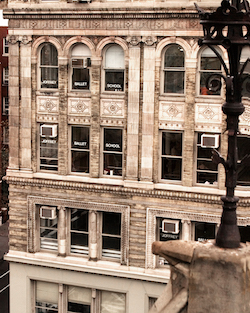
x: 4, y: 148
x: 110, y: 116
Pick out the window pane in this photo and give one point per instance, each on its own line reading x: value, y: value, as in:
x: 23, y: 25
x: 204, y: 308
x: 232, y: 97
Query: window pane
x: 114, y: 57
x: 205, y: 177
x: 114, y: 80
x: 80, y: 78
x: 49, y: 77
x: 49, y: 153
x: 171, y: 168
x: 243, y: 169
x: 171, y: 143
x: 79, y: 220
x: 79, y: 143
x: 113, y: 139
x: 204, y: 231
x: 79, y: 231
x: 203, y: 81
x: 46, y: 297
x: 174, y: 57
x: 210, y: 63
x: 112, y: 164
x: 111, y: 223
x: 80, y: 137
x: 112, y: 302
x: 49, y: 55
x: 174, y: 82
x: 111, y: 243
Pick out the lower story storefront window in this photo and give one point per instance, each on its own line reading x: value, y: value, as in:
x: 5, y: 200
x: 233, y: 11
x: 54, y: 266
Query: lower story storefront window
x: 79, y: 299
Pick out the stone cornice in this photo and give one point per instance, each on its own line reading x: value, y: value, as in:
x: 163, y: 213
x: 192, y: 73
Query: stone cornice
x: 121, y: 190
x: 94, y: 14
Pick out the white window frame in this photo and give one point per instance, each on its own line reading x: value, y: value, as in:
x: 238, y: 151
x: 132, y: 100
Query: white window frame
x: 5, y: 105
x: 169, y: 69
x: 170, y: 156
x: 114, y: 68
x: 34, y: 204
x: 80, y: 150
x: 200, y: 71
x: 5, y: 135
x: 5, y: 75
x: 39, y: 164
x: 46, y: 66
x: 103, y: 151
x: 5, y: 47
x: 81, y: 56
x: 93, y: 297
x: 216, y: 183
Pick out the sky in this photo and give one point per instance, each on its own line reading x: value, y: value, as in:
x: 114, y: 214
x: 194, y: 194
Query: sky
x: 2, y: 21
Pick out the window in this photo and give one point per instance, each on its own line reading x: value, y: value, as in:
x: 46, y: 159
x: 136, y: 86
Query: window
x: 109, y: 245
x: 112, y: 152
x: 80, y: 149
x: 77, y: 299
x: 48, y: 228
x: 114, y: 68
x: 210, y: 64
x: 79, y: 234
x: 5, y: 75
x: 206, y: 170
x: 80, y: 66
x: 167, y: 229
x: 46, y: 297
x: 171, y: 156
x: 48, y: 66
x: 5, y: 46
x: 243, y: 178
x: 5, y: 135
x: 48, y: 147
x: 111, y: 235
x: 174, y: 69
x: 204, y: 231
x: 6, y: 105
x: 245, y: 54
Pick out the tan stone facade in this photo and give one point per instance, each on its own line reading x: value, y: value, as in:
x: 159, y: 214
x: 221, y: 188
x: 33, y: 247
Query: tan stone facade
x: 142, y: 110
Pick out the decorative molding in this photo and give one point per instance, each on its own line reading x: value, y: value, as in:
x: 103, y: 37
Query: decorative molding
x: 47, y: 118
x: 149, y: 40
x: 208, y: 128
x: 13, y: 39
x: 47, y: 104
x: 170, y: 125
x: 79, y: 120
x: 171, y: 111
x: 33, y: 202
x: 93, y: 21
x: 112, y: 108
x: 134, y: 40
x: 208, y: 113
x: 79, y: 106
x: 112, y: 122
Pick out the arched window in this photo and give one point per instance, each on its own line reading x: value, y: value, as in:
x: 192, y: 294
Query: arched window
x: 209, y: 64
x: 80, y: 66
x: 49, y: 66
x: 114, y: 68
x: 173, y: 68
x: 245, y: 54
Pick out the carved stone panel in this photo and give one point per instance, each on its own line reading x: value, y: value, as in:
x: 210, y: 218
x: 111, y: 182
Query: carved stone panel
x: 244, y: 124
x: 171, y: 115
x: 208, y: 117
x: 47, y: 105
x: 79, y: 106
x: 112, y: 108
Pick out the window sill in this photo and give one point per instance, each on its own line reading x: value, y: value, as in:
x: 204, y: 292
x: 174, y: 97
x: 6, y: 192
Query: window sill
x: 83, y: 265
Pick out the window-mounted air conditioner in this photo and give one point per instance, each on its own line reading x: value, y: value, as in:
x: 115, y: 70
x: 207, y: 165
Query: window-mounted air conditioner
x: 47, y: 130
x: 48, y: 212
x: 210, y: 141
x: 170, y: 226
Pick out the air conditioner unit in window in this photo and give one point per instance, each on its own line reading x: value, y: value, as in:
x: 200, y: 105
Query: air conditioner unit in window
x: 48, y: 212
x: 47, y: 130
x: 210, y: 141
x: 170, y: 226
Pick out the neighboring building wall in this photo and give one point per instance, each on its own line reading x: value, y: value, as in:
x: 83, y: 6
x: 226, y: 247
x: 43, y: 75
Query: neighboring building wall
x: 105, y: 137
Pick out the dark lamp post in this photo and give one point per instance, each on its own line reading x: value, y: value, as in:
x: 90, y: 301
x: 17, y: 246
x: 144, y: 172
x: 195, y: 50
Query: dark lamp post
x: 228, y: 26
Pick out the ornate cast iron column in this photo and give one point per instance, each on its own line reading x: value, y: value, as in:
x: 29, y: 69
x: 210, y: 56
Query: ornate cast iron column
x: 228, y: 26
